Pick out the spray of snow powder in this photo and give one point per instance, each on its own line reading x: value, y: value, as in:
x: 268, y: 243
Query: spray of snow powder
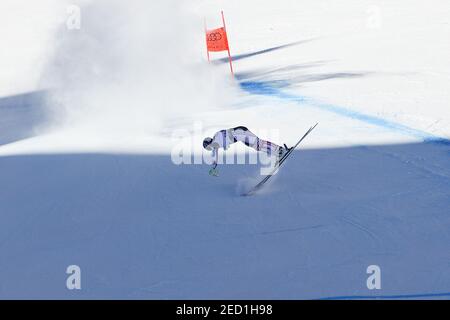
x: 131, y: 67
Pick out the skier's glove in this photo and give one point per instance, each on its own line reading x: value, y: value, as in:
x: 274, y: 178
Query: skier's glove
x: 214, y: 172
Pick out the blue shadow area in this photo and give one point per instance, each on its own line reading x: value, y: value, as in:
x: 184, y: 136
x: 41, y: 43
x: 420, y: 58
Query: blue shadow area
x: 21, y: 114
x: 141, y: 227
x: 260, y: 52
x: 444, y: 295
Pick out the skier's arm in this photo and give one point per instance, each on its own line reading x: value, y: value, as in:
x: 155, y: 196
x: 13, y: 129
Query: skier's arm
x: 215, y: 154
x: 213, y: 171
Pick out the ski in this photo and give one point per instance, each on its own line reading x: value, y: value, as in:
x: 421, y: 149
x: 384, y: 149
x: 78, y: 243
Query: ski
x: 285, y: 156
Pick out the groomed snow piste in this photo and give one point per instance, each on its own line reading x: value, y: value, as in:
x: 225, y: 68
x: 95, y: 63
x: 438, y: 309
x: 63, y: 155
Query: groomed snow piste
x: 90, y: 119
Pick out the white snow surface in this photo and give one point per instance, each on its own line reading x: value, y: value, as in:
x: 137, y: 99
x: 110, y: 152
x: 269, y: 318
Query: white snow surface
x: 91, y: 121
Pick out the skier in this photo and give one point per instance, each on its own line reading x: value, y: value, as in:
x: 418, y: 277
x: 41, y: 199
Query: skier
x: 224, y: 138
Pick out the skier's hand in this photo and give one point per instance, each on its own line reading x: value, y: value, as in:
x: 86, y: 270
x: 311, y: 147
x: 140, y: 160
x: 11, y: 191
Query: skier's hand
x: 214, y: 172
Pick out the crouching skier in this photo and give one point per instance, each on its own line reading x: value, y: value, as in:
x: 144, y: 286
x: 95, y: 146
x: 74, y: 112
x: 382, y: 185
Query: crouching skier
x: 224, y: 138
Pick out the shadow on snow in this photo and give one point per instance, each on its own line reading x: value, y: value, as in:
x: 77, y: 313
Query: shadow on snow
x: 141, y: 227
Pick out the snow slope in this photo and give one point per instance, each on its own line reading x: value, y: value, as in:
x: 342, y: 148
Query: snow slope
x: 88, y: 177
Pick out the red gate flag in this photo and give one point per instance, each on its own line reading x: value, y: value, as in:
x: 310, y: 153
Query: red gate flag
x: 217, y: 40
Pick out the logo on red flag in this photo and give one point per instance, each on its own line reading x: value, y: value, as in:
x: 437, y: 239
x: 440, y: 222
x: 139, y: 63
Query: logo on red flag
x: 216, y: 40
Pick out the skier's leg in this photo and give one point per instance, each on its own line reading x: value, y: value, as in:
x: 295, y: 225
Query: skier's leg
x: 251, y: 140
x: 245, y: 136
x: 268, y: 147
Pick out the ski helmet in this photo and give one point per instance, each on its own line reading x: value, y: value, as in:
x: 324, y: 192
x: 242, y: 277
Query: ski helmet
x: 207, y: 142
